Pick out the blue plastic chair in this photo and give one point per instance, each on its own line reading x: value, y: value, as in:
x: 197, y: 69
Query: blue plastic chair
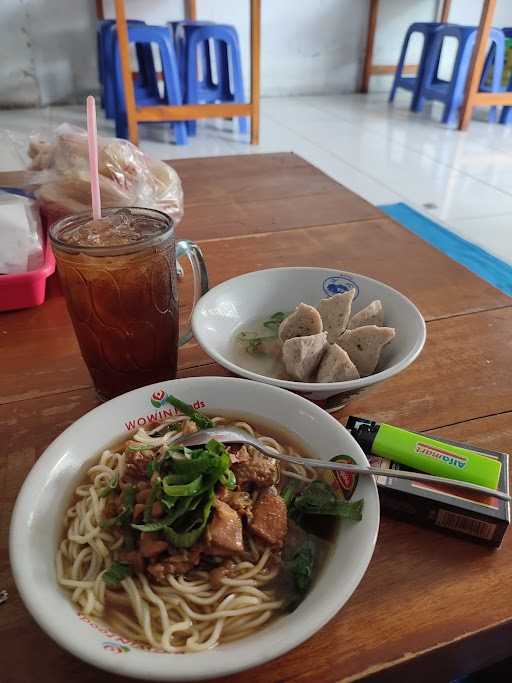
x: 146, y: 35
x: 228, y: 87
x: 412, y: 83
x: 452, y: 92
x: 145, y: 84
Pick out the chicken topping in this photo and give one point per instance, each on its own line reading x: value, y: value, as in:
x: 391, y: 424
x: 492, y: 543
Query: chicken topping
x: 224, y: 535
x: 270, y: 519
x: 253, y: 468
x: 175, y: 564
x: 151, y: 545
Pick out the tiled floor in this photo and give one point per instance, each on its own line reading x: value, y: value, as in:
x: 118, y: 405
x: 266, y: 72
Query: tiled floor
x: 386, y: 154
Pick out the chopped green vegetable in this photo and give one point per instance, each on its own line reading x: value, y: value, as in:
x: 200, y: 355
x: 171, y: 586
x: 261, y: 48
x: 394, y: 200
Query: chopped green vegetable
x: 140, y: 447
x: 116, y: 573
x: 228, y: 479
x: 178, y: 490
x: 302, y: 564
x: 186, y: 492
x: 254, y: 341
x: 153, y: 526
x: 154, y: 495
x: 274, y: 321
x: 290, y: 491
x: 187, y: 538
x: 201, y: 421
x: 111, y: 486
x: 127, y: 502
x: 318, y: 498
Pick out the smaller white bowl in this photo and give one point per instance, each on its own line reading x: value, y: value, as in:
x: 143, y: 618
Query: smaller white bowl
x: 226, y: 310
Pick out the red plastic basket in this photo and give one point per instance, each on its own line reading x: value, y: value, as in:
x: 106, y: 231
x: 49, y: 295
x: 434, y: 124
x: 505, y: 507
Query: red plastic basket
x: 23, y: 290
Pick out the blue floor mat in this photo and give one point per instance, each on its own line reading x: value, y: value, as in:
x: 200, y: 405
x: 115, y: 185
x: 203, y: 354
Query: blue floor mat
x: 477, y: 260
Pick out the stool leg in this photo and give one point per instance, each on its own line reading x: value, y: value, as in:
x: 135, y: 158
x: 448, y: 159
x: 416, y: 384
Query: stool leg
x: 172, y: 85
x: 459, y: 76
x: 190, y: 68
x: 109, y: 65
x: 400, y: 65
x: 429, y: 72
x: 496, y: 55
x: 416, y: 103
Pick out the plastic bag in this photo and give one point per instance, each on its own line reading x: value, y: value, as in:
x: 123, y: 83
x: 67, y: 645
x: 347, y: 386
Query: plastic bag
x: 20, y: 235
x: 128, y: 177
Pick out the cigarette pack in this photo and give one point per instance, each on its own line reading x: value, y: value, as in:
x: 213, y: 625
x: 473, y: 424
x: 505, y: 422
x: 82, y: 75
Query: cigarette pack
x: 450, y: 510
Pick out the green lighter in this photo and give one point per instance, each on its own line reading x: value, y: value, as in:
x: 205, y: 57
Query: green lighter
x: 424, y: 453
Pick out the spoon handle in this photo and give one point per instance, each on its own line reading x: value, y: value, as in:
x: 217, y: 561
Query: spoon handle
x: 399, y: 474
x: 232, y: 435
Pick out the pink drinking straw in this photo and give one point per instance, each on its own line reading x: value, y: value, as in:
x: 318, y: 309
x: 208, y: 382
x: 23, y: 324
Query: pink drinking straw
x: 92, y: 140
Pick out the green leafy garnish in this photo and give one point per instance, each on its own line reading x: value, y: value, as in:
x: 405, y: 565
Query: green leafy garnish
x: 318, y: 498
x: 228, y: 479
x: 116, y: 573
x: 201, y: 421
x: 193, y: 529
x: 111, y: 486
x: 254, y: 341
x: 154, y: 495
x: 290, y: 491
x: 274, y: 321
x: 187, y: 492
x: 127, y: 502
x: 302, y: 564
x: 178, y: 490
x: 153, y: 526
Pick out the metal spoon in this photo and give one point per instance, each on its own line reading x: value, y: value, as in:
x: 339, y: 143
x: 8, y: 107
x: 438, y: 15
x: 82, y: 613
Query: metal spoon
x: 228, y: 435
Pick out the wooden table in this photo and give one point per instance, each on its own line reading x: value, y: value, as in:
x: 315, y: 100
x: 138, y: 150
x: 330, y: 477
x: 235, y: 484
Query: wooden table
x: 429, y: 607
x: 186, y: 112
x: 473, y: 98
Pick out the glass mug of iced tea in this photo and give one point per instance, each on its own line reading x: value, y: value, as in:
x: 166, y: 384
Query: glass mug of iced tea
x: 118, y: 276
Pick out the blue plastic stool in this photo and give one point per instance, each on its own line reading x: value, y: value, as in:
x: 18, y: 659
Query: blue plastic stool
x: 452, y: 92
x: 412, y: 83
x: 145, y: 84
x: 229, y: 84
x: 146, y: 35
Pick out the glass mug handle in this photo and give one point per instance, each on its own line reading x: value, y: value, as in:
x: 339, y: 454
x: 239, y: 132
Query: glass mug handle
x: 200, y: 273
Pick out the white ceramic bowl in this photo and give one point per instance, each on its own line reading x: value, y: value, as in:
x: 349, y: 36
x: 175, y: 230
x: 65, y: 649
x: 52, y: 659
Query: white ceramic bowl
x: 37, y: 524
x: 232, y: 306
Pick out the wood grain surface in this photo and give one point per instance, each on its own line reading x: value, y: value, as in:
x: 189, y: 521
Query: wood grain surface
x: 430, y: 607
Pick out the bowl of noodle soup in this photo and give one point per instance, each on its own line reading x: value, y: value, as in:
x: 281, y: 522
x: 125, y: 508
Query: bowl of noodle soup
x: 66, y: 536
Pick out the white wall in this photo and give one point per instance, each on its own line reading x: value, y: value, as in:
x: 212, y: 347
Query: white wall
x: 47, y: 51
x: 48, y: 47
x: 18, y: 83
